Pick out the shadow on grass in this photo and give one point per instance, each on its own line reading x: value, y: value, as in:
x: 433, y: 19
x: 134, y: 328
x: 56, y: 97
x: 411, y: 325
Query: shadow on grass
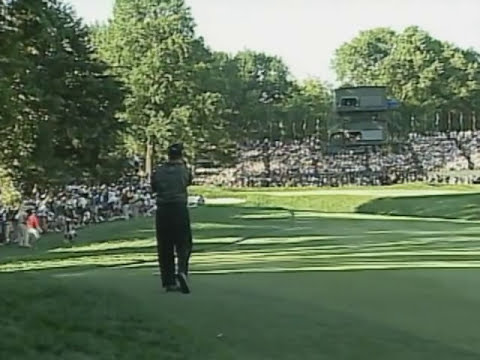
x: 458, y: 206
x: 113, y: 244
x: 238, y: 242
x: 242, y: 237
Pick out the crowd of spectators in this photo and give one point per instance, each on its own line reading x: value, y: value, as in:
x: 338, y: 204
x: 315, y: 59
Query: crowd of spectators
x: 67, y: 209
x: 469, y: 142
x: 308, y: 163
x: 64, y: 210
x: 433, y: 158
x: 439, y: 151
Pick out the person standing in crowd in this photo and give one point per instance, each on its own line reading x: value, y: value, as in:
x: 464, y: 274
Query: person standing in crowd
x: 125, y: 200
x: 33, y: 227
x: 170, y: 182
x: 23, y: 235
x: 43, y: 213
x: 14, y: 228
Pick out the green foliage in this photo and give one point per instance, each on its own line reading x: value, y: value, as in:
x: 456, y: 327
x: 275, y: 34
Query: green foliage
x: 153, y: 48
x: 306, y: 110
x: 146, y: 79
x: 59, y: 91
x: 360, y: 61
x: 263, y: 100
x: 264, y: 84
x: 9, y: 194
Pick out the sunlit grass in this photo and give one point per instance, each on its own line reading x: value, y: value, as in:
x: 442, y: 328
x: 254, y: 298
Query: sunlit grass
x: 352, y: 266
x: 329, y: 252
x: 117, y: 245
x: 329, y: 288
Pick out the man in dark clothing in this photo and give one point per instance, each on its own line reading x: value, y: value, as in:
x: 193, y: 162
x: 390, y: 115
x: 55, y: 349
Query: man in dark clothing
x: 170, y: 182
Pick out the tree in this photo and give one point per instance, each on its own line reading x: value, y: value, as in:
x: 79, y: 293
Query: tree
x: 7, y: 61
x: 264, y: 82
x: 60, y: 91
x: 361, y: 61
x: 463, y: 78
x: 153, y: 45
x: 307, y: 109
x: 415, y: 68
x: 430, y: 76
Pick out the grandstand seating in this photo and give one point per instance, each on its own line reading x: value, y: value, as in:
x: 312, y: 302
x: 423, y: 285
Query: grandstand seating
x: 302, y: 162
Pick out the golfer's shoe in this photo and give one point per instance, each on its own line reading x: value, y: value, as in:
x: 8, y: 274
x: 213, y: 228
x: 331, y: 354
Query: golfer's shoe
x: 182, y: 280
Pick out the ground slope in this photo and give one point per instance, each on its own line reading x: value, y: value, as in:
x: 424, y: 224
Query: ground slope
x: 266, y: 285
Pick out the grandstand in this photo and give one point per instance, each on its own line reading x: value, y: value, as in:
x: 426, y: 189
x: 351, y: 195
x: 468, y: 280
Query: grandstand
x: 359, y: 151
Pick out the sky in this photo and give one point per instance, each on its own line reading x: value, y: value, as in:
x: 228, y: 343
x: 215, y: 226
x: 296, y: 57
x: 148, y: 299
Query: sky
x: 305, y: 33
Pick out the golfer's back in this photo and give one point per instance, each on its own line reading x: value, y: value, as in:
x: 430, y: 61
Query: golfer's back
x: 170, y: 182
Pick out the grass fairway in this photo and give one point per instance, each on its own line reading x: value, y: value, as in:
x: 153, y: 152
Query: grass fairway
x: 290, y: 276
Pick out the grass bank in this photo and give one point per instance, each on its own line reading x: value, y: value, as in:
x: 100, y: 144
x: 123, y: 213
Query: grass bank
x: 449, y: 201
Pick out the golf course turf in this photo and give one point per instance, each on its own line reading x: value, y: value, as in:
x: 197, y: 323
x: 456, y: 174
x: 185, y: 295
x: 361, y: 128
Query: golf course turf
x: 357, y: 274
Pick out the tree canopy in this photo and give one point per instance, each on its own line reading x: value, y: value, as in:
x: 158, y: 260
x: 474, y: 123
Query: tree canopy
x: 58, y: 118
x: 76, y: 101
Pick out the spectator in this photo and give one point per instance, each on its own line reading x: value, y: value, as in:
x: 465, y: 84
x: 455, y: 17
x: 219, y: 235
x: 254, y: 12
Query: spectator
x: 33, y: 229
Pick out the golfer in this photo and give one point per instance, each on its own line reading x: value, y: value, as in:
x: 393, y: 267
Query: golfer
x: 170, y: 182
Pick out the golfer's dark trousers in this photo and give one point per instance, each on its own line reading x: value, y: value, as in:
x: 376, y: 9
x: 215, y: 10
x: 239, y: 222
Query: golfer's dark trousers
x: 173, y: 235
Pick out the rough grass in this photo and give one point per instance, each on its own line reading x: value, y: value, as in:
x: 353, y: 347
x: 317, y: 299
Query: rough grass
x: 266, y: 285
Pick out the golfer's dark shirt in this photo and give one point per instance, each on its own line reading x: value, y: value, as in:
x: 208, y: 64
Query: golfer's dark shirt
x: 170, y: 182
